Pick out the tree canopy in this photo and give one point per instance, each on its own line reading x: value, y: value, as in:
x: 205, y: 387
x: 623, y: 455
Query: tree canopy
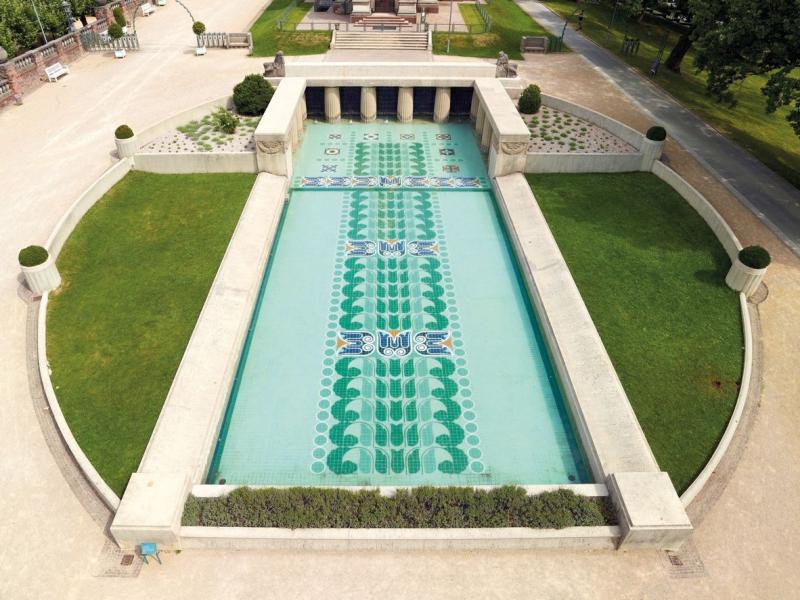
x: 19, y: 29
x: 738, y: 38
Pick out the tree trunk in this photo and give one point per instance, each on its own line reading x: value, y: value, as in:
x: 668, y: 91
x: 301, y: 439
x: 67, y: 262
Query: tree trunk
x: 84, y: 22
x: 675, y: 57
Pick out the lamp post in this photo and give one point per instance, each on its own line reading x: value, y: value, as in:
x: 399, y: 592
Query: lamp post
x: 449, y: 26
x: 65, y: 6
x: 38, y: 20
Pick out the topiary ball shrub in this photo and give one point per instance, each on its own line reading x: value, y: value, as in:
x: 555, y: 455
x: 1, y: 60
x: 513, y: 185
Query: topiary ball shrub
x: 119, y: 18
x: 115, y: 31
x: 656, y: 133
x: 32, y: 256
x: 198, y: 27
x: 123, y: 132
x: 252, y: 95
x: 531, y: 100
x: 755, y: 257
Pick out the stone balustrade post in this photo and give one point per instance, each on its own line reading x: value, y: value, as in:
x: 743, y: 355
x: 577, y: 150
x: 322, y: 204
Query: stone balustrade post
x: 441, y: 105
x: 333, y: 107
x: 369, y: 104
x: 405, y: 104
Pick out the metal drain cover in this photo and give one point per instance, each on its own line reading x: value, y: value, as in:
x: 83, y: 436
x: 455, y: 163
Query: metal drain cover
x: 685, y: 563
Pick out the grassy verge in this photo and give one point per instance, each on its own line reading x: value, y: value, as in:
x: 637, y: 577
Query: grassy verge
x: 440, y: 507
x: 136, y: 273
x: 509, y: 24
x: 267, y: 40
x: 652, y: 275
x: 769, y: 138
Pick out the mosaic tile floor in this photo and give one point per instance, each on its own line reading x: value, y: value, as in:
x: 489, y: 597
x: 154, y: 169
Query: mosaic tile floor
x: 392, y: 343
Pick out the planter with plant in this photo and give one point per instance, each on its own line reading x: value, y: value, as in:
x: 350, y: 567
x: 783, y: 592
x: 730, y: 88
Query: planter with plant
x: 652, y: 146
x: 748, y: 270
x: 39, y: 269
x: 199, y: 28
x: 119, y: 19
x: 126, y: 141
x: 115, y: 33
x: 225, y: 121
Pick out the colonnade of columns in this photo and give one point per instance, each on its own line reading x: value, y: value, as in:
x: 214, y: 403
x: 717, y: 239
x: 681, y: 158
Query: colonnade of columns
x: 483, y: 125
x: 369, y: 104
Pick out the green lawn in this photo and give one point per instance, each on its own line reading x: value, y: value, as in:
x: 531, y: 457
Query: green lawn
x: 652, y: 275
x: 136, y: 273
x: 768, y: 137
x: 267, y: 40
x: 509, y: 24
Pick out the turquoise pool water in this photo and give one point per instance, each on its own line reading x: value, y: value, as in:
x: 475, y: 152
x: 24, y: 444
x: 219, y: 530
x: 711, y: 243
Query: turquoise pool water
x: 393, y: 343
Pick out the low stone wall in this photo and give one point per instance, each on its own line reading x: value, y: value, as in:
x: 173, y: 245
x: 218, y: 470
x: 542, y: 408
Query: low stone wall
x: 579, y: 162
x: 698, y: 202
x: 155, y: 131
x: 516, y: 538
x: 196, y: 162
x: 622, y: 131
x: 54, y: 244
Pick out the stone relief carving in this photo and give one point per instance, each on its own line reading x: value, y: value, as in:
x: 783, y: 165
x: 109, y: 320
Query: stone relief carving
x: 269, y: 147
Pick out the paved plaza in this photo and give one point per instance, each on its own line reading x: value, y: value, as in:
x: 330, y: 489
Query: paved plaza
x: 61, y: 139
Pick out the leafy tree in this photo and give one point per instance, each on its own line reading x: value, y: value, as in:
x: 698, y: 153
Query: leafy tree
x: 738, y: 38
x: 19, y: 29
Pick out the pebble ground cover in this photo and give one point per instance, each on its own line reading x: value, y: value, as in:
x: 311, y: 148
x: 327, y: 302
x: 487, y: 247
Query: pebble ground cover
x: 204, y: 136
x: 554, y: 130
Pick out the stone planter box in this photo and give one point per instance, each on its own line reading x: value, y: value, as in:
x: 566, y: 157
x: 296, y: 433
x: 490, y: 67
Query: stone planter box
x: 42, y: 278
x: 127, y: 148
x: 743, y: 278
x: 651, y: 152
x: 200, y: 51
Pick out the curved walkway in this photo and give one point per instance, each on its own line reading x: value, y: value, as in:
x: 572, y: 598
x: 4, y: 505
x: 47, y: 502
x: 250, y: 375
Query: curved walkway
x: 60, y: 140
x: 773, y: 199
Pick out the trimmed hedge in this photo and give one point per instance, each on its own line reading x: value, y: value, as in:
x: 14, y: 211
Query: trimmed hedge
x: 755, y: 257
x: 531, y: 100
x: 656, y: 133
x: 123, y: 132
x: 115, y: 31
x: 252, y: 95
x: 32, y: 256
x: 119, y: 16
x: 436, y: 507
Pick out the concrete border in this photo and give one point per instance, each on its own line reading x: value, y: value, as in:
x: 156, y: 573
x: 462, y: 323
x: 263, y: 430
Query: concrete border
x: 196, y: 162
x: 582, y: 162
x: 516, y: 538
x: 63, y: 229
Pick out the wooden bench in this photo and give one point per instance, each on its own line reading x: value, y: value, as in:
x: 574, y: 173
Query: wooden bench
x: 147, y: 9
x: 533, y: 43
x: 55, y: 71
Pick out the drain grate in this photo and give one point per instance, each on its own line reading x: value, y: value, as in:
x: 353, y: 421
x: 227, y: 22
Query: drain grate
x: 113, y: 562
x: 686, y: 563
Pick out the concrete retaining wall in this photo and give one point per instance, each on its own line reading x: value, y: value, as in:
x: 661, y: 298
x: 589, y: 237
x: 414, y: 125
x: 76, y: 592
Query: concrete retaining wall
x: 622, y: 131
x: 161, y: 128
x: 259, y: 538
x: 196, y: 162
x: 574, y: 162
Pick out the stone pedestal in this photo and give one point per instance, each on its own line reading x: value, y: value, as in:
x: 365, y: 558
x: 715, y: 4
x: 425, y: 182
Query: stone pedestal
x: 441, y: 105
x: 42, y: 278
x: 649, y: 511
x: 651, y: 152
x: 743, y: 278
x: 333, y: 107
x: 369, y: 104
x: 405, y: 104
x: 127, y: 147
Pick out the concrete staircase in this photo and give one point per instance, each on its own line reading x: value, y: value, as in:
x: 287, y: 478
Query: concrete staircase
x: 377, y: 40
x: 385, y: 21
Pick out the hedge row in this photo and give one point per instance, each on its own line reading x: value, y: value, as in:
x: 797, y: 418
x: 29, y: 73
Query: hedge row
x: 438, y: 507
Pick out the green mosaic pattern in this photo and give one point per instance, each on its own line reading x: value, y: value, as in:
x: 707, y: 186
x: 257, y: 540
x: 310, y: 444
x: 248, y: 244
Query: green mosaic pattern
x: 394, y: 415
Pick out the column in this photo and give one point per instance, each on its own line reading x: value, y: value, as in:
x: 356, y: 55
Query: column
x: 473, y: 107
x: 298, y: 119
x: 405, y: 104
x: 480, y: 117
x: 303, y: 107
x: 333, y: 108
x: 486, y: 133
x: 369, y: 104
x: 441, y: 105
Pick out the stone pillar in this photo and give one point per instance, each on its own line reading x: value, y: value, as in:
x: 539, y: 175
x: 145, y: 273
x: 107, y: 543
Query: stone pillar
x: 473, y: 108
x: 486, y: 134
x: 441, y: 105
x: 333, y: 108
x: 369, y: 104
x: 480, y: 117
x: 303, y: 107
x: 405, y: 104
x: 651, y: 152
x: 298, y: 123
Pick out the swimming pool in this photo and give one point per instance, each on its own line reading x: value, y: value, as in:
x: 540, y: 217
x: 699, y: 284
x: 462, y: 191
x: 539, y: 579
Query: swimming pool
x: 393, y: 343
